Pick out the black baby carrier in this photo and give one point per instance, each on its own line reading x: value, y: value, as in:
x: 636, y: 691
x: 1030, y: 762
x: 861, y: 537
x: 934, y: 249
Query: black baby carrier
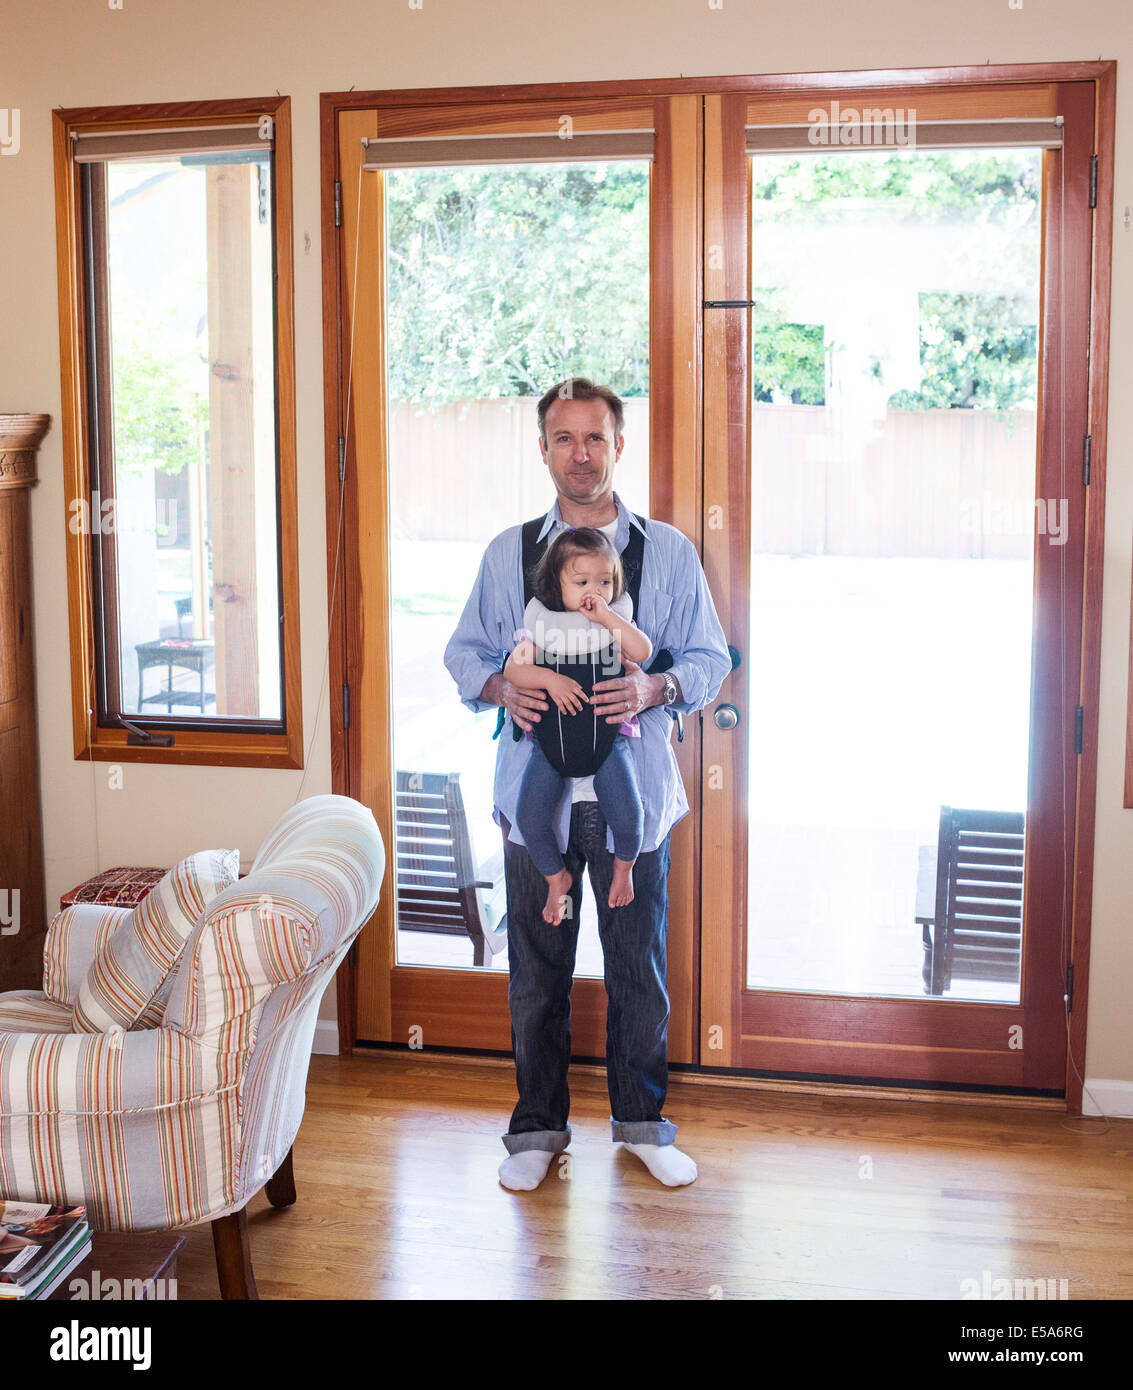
x: 577, y: 745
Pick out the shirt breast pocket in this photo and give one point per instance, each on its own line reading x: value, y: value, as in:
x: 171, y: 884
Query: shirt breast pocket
x: 654, y: 616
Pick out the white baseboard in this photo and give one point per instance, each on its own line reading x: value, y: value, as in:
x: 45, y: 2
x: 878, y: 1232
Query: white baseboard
x: 326, y: 1037
x: 1102, y: 1097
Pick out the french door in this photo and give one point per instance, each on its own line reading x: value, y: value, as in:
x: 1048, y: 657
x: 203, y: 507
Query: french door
x: 865, y: 401
x: 895, y: 393
x: 601, y: 202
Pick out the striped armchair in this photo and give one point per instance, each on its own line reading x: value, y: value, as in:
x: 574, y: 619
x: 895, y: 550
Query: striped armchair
x: 172, y: 1114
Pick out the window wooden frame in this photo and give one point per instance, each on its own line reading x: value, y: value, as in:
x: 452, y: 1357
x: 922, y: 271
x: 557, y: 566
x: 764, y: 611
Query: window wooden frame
x: 245, y: 747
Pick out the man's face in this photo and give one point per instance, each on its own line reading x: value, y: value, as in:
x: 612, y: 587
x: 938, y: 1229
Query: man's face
x: 580, y: 450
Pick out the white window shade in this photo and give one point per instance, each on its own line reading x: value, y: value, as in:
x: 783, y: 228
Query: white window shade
x: 447, y: 151
x: 250, y: 136
x: 866, y: 127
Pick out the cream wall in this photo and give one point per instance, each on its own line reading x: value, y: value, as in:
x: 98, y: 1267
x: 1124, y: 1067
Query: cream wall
x: 82, y: 52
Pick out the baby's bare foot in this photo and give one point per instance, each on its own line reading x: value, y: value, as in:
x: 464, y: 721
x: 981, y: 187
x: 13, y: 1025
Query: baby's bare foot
x: 558, y: 895
x: 621, y: 889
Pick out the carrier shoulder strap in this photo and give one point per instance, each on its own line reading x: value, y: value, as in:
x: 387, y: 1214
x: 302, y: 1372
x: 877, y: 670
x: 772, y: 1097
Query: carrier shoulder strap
x: 631, y: 557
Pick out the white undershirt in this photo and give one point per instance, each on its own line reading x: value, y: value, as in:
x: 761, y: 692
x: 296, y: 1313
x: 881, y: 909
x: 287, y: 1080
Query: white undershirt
x: 582, y: 788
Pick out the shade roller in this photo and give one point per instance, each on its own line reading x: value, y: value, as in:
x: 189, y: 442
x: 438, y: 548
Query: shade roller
x: 851, y: 127
x: 446, y: 150
x: 255, y: 135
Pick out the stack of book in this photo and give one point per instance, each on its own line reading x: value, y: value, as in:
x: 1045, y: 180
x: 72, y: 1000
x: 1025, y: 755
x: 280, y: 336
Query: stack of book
x: 39, y: 1246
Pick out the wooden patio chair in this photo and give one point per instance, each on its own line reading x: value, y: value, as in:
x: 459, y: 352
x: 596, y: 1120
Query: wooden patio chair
x: 437, y: 888
x: 976, y: 929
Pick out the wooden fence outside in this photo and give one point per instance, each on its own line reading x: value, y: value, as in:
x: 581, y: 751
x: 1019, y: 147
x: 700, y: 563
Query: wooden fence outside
x: 949, y: 484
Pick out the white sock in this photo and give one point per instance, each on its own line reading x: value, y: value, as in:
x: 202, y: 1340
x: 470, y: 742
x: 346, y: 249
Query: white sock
x: 526, y: 1169
x: 666, y: 1163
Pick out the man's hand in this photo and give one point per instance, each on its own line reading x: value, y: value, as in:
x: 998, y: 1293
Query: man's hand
x: 524, y: 706
x: 626, y: 695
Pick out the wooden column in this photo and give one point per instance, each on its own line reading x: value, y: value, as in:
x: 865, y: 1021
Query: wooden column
x: 232, y: 483
x: 23, y: 922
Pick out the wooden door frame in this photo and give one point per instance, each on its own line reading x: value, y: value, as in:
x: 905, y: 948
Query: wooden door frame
x: 1103, y: 74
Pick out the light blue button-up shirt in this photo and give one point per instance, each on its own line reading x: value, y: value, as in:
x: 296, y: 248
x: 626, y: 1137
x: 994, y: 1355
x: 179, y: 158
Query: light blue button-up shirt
x: 675, y: 610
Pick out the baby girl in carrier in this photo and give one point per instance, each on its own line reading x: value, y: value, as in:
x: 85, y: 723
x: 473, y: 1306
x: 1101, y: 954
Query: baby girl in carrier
x: 576, y: 628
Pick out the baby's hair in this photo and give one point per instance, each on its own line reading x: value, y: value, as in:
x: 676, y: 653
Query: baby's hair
x: 546, y: 580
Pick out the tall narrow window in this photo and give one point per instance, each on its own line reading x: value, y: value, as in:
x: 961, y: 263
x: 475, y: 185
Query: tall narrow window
x: 184, y: 344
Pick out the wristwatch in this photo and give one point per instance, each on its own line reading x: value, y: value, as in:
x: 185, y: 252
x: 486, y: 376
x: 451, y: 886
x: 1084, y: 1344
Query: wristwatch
x: 670, y: 688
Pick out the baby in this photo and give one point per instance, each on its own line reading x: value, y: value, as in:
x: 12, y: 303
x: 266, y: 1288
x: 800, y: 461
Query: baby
x: 575, y: 629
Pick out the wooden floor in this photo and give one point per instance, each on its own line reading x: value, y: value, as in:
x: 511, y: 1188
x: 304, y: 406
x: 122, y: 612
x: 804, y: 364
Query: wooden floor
x: 799, y: 1197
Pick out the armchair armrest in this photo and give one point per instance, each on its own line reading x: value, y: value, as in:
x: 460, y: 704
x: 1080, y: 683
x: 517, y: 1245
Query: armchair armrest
x: 73, y: 939
x: 135, y: 1126
x: 104, y: 1076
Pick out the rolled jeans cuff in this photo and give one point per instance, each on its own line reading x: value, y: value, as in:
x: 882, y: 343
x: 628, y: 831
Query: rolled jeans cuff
x: 643, y: 1131
x: 550, y: 1141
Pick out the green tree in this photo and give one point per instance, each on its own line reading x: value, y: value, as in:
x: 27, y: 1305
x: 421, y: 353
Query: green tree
x: 975, y: 353
x: 976, y: 350
x: 160, y: 385
x: 158, y: 419
x: 921, y: 186
x: 503, y: 280
x: 788, y: 359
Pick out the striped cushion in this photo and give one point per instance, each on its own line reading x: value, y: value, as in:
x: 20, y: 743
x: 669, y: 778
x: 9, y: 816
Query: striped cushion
x: 74, y: 938
x: 30, y: 1011
x: 245, y: 946
x: 131, y: 977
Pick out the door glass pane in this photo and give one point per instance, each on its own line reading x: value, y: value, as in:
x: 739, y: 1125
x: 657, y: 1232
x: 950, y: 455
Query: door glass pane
x: 502, y: 280
x: 191, y: 510
x: 894, y: 525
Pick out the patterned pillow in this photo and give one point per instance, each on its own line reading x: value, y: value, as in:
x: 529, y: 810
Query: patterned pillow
x: 131, y: 977
x: 123, y: 886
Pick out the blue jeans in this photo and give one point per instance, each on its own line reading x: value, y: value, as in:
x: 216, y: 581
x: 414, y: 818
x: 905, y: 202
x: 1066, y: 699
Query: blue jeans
x: 541, y: 974
x: 615, y: 785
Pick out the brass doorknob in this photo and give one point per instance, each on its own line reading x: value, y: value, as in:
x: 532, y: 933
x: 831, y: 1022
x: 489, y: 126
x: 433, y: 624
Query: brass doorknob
x: 726, y: 716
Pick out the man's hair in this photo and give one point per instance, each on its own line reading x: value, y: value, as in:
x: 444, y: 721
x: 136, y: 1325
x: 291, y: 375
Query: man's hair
x: 546, y: 580
x: 580, y: 388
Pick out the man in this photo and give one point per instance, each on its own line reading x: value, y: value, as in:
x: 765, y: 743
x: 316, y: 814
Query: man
x: 580, y: 428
